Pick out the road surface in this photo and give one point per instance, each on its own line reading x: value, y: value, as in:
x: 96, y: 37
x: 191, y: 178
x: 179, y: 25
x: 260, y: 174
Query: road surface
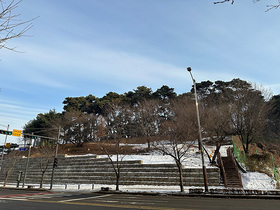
x: 44, y: 200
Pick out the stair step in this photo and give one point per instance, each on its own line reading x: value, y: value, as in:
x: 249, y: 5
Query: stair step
x: 233, y: 179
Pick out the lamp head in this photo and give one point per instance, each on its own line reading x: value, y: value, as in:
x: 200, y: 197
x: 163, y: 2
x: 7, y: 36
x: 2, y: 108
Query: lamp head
x: 189, y: 69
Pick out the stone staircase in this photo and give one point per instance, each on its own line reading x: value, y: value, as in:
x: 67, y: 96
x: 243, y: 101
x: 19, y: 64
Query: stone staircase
x: 94, y: 170
x: 232, y: 176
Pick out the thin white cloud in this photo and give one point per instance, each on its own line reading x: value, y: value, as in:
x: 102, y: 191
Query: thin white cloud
x: 18, y: 110
x: 55, y: 68
x: 18, y: 106
x: 16, y: 115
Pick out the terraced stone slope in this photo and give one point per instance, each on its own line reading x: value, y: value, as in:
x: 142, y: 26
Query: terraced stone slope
x: 94, y: 170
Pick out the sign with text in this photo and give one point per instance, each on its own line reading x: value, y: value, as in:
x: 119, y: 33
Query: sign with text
x: 21, y: 149
x: 16, y: 133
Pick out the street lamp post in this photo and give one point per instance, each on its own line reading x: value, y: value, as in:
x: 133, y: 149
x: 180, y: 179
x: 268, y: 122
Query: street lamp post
x: 199, y: 134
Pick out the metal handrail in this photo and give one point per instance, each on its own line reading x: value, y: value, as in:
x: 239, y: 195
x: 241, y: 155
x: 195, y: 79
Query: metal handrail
x: 222, y: 168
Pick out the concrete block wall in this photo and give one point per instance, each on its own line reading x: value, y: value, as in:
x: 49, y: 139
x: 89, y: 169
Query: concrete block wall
x: 93, y: 170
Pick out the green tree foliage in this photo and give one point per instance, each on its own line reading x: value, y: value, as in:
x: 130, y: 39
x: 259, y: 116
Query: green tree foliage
x: 165, y: 93
x: 78, y: 127
x: 139, y: 94
x: 92, y: 104
x: 246, y: 105
x: 273, y: 128
x: 233, y: 107
x: 220, y: 91
x: 107, y: 101
x: 83, y: 104
x: 42, y: 125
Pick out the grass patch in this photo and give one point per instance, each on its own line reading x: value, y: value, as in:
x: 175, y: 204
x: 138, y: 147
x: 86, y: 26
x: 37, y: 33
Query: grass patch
x: 261, y: 157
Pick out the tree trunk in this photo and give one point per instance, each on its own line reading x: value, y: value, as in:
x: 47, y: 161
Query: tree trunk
x: 206, y: 152
x: 117, y: 181
x: 216, y: 153
x: 243, y: 143
x: 42, y: 179
x: 7, y: 175
x: 148, y: 141
x: 247, y: 145
x: 6, y: 178
x: 180, y: 170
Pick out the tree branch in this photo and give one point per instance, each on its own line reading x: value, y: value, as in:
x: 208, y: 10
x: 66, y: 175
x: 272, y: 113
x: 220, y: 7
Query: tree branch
x: 10, y: 26
x: 219, y: 2
x: 270, y: 7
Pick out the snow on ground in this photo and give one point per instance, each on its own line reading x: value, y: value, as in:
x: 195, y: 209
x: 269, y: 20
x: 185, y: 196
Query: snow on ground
x: 257, y: 181
x: 97, y: 187
x: 192, y: 159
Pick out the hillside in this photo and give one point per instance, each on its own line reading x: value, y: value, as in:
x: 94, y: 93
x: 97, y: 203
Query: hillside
x: 262, y: 157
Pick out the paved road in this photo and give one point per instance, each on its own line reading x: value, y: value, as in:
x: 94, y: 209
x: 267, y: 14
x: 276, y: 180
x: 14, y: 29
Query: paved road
x: 28, y: 200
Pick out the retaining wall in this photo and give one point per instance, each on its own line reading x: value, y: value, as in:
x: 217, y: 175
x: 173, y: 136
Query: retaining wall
x: 94, y: 170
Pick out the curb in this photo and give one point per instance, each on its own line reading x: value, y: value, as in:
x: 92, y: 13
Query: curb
x: 25, y: 189
x: 197, y: 192
x: 211, y: 194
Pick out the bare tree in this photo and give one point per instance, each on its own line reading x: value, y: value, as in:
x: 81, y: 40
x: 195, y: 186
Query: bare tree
x: 10, y: 25
x: 78, y: 127
x: 116, y: 123
x: 10, y: 160
x: 47, y: 153
x: 178, y: 134
x: 249, y: 114
x: 101, y: 128
x: 111, y: 148
x: 216, y: 123
x: 245, y: 104
x: 146, y: 114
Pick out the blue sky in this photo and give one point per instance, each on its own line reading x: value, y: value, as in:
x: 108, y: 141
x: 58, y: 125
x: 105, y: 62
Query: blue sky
x: 77, y: 48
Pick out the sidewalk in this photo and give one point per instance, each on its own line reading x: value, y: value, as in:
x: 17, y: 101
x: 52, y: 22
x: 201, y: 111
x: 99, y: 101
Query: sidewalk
x: 221, y: 192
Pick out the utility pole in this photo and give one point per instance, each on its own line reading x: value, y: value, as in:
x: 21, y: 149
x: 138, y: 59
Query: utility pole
x: 199, y: 134
x: 4, y: 146
x: 55, y: 158
x: 25, y: 171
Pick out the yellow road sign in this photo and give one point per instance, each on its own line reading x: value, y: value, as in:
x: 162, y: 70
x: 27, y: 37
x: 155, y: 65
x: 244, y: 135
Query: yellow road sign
x: 16, y: 133
x: 8, y: 145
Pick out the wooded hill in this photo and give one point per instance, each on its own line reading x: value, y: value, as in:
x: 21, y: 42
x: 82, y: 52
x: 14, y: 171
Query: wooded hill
x: 228, y: 108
